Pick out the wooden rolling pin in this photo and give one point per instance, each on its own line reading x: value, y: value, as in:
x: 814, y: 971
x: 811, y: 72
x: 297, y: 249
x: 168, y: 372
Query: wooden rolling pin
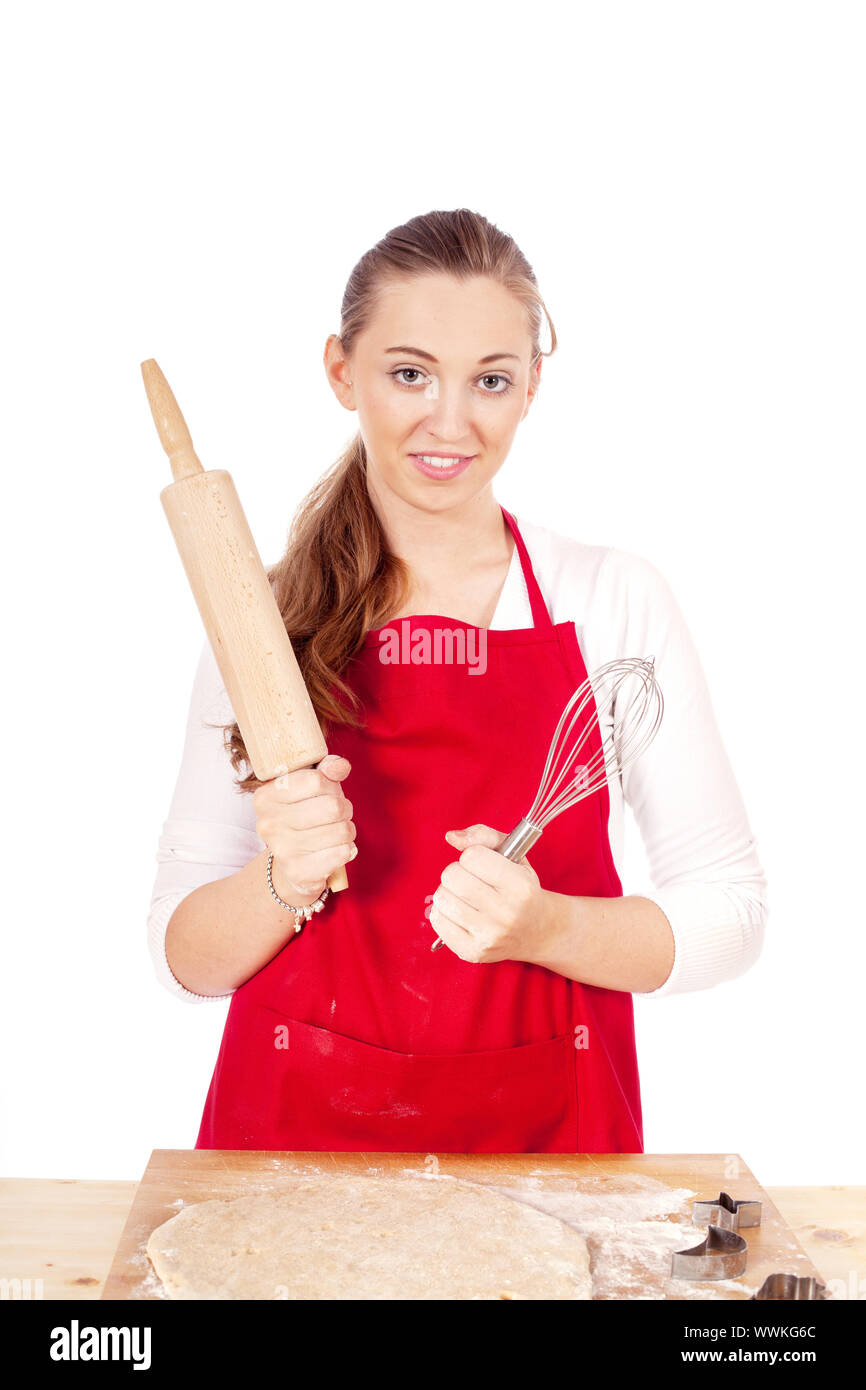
x: 244, y: 626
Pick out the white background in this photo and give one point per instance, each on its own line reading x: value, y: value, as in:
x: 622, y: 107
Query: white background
x: 194, y: 182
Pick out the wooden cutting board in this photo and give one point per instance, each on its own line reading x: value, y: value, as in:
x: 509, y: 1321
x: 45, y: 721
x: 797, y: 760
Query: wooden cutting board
x: 633, y: 1209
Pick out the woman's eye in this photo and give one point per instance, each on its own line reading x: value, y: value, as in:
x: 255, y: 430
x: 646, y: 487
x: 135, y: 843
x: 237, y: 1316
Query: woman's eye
x: 494, y: 376
x: 410, y: 371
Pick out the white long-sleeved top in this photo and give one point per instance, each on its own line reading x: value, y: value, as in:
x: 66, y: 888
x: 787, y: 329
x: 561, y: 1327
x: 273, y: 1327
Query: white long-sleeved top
x: 702, y: 857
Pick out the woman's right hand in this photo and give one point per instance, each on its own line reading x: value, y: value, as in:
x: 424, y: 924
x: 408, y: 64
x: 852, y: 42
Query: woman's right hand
x: 306, y: 822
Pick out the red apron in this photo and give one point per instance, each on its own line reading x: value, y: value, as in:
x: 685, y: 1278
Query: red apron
x: 356, y: 1036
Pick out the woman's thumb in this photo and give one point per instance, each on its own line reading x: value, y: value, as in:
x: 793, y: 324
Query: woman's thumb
x: 335, y: 766
x: 474, y: 835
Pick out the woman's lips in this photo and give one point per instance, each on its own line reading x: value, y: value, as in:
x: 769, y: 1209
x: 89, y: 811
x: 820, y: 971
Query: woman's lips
x: 443, y: 470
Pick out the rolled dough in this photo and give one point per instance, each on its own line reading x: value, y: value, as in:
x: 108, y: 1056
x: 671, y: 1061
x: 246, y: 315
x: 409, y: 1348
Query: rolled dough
x: 347, y: 1237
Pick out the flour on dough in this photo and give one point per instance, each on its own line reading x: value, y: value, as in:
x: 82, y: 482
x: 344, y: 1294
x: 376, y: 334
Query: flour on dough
x: 340, y: 1237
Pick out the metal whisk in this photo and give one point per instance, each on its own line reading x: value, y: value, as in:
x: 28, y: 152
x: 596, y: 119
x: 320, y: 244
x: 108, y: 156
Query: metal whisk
x: 564, y: 781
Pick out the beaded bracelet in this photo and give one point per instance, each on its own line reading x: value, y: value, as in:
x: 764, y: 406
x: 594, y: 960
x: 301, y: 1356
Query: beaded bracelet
x: 302, y: 914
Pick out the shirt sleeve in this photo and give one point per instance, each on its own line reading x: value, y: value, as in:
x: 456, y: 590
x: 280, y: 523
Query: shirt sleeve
x: 702, y: 856
x: 210, y: 830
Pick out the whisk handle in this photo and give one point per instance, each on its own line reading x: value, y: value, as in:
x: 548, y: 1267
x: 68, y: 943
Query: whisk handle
x: 520, y: 841
x: 514, y: 846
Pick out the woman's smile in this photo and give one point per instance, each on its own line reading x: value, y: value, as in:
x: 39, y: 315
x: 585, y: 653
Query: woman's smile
x: 439, y: 466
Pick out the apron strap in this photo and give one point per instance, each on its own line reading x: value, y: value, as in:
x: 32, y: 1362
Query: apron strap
x: 540, y: 615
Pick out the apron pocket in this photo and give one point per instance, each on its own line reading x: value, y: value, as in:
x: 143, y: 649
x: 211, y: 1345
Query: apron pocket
x: 308, y: 1088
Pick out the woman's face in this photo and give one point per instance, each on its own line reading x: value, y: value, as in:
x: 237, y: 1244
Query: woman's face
x: 440, y: 378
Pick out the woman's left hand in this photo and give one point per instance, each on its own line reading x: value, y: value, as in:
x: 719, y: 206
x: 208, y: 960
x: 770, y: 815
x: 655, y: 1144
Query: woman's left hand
x: 488, y: 908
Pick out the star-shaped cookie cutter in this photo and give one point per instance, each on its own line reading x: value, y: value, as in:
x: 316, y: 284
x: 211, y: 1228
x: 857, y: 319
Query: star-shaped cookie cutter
x: 722, y: 1255
x: 731, y: 1213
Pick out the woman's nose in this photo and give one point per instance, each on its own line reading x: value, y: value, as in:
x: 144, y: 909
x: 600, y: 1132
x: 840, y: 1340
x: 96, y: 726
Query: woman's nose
x: 448, y: 412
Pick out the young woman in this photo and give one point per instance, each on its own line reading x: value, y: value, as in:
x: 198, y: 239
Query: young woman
x: 351, y: 1034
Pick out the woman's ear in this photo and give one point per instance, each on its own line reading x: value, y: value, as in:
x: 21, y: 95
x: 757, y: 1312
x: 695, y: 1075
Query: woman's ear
x: 338, y: 372
x: 532, y: 388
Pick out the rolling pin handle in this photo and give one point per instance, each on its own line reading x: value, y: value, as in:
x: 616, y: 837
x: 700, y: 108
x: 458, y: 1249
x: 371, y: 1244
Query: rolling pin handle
x: 174, y: 435
x: 338, y: 880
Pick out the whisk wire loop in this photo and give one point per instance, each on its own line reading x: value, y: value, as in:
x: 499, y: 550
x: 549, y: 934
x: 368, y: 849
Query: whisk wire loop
x: 626, y: 694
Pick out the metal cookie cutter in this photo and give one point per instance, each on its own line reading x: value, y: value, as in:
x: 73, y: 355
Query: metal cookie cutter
x: 729, y: 1212
x: 791, y: 1286
x: 721, y: 1256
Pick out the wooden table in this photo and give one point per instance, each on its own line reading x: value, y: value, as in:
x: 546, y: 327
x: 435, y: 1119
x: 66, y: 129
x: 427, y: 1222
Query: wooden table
x: 64, y: 1232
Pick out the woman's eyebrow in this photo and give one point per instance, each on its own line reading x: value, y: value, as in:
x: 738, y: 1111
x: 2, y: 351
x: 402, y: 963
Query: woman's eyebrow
x: 419, y: 352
